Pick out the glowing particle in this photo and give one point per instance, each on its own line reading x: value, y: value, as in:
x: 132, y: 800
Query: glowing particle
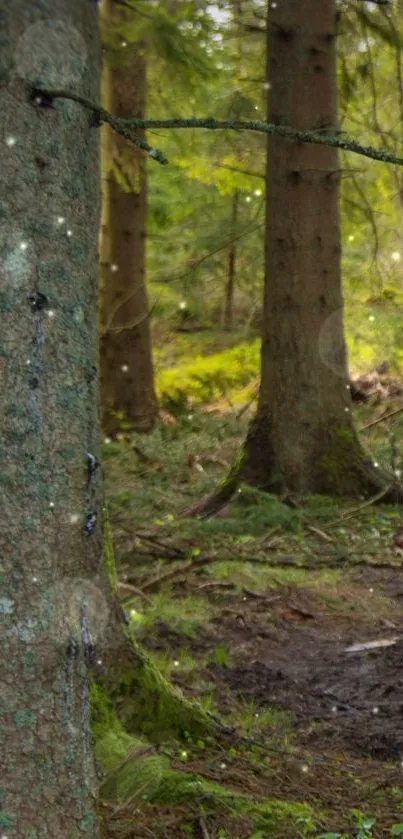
x: 107, y: 440
x: 256, y: 715
x: 267, y: 86
x: 34, y: 579
x: 183, y: 304
x: 258, y: 193
x: 61, y: 219
x: 375, y: 710
x: 176, y: 663
x: 183, y: 754
x: 123, y: 43
x: 248, y: 199
x: 371, y: 318
x: 223, y: 765
x: 23, y: 246
x: 371, y: 590
x: 348, y: 387
x: 347, y: 410
x: 351, y: 238
x: 114, y: 267
x: 69, y: 233
x: 28, y: 361
x: 74, y: 518
x: 376, y: 464
x: 395, y: 256
x: 133, y: 612
x: 99, y: 661
x: 51, y: 504
x: 398, y: 473
x: 51, y: 313
x: 10, y: 141
x: 124, y: 368
x: 38, y: 100
x: 304, y: 768
x: 334, y: 709
x: 190, y: 417
x: 274, y: 5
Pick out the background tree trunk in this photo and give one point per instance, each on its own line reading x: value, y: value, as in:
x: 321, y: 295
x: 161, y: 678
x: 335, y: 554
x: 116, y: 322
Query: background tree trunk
x: 50, y: 605
x: 230, y: 286
x: 302, y: 439
x: 126, y: 356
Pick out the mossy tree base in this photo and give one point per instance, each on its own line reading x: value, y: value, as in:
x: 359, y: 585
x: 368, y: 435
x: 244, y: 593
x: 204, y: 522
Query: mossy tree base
x: 146, y: 703
x: 332, y: 463
x: 337, y: 466
x: 136, y: 775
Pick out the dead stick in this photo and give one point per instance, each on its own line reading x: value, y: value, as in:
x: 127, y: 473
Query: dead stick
x: 354, y: 510
x: 381, y: 419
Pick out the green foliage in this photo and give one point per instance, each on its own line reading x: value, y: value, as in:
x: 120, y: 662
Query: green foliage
x: 194, y: 612
x: 209, y: 379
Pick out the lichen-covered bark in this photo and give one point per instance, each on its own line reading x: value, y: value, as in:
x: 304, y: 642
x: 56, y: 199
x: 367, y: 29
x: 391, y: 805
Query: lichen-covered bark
x: 302, y: 439
x: 51, y: 604
x: 126, y: 358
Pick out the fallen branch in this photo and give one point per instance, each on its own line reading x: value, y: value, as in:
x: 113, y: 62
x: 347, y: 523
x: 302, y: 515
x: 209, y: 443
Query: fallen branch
x: 355, y: 510
x: 335, y: 560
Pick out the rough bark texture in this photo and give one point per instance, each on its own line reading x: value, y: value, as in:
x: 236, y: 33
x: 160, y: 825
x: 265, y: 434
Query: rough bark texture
x: 126, y: 356
x: 62, y: 633
x: 302, y: 439
x: 50, y: 602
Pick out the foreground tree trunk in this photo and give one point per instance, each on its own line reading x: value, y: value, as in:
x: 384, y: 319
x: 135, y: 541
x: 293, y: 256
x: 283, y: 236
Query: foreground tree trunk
x: 126, y: 357
x: 302, y: 439
x: 60, y: 627
x: 49, y: 419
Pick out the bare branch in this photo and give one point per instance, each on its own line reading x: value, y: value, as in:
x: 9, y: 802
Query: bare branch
x: 127, y: 128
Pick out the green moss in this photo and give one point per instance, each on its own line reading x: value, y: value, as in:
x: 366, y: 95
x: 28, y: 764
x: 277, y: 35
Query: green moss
x: 133, y: 775
x: 24, y: 719
x: 6, y: 820
x: 88, y: 822
x: 207, y: 378
x: 67, y: 453
x: 69, y: 399
x: 7, y: 301
x: 344, y: 433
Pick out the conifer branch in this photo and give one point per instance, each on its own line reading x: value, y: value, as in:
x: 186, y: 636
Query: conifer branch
x: 127, y: 128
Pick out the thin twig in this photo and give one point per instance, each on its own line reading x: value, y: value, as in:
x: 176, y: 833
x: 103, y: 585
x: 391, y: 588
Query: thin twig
x: 381, y: 419
x: 203, y: 828
x: 134, y: 590
x: 355, y: 510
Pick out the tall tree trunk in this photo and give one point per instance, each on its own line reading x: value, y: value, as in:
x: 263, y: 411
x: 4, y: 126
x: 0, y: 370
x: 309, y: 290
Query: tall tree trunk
x: 49, y: 419
x: 126, y: 357
x: 302, y: 439
x: 230, y: 286
x: 60, y: 626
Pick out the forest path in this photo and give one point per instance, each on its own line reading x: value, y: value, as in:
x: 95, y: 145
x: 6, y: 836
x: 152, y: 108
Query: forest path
x: 278, y: 661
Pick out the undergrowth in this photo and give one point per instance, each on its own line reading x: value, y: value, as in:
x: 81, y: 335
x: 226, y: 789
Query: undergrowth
x: 150, y: 485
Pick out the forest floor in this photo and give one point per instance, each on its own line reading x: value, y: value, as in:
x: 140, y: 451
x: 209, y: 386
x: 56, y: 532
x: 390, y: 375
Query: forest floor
x: 288, y: 624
